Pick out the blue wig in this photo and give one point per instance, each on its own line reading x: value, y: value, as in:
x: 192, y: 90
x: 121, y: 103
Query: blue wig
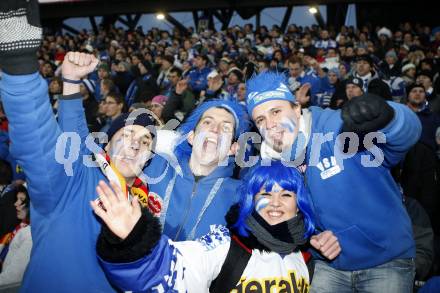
x: 266, y: 177
x: 242, y: 122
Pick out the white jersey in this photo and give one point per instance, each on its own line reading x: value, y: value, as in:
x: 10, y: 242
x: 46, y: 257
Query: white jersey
x: 191, y: 266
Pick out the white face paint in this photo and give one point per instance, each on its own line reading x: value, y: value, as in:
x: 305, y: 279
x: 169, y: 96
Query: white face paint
x: 130, y: 149
x: 276, y: 188
x: 278, y: 123
x: 261, y: 203
x: 213, y: 137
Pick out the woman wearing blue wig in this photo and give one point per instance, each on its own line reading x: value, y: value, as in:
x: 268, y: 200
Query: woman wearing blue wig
x: 258, y: 250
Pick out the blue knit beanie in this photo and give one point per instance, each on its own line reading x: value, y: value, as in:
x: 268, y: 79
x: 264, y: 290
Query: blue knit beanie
x: 126, y: 119
x: 267, y: 86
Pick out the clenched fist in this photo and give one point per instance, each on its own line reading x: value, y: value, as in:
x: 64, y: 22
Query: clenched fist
x: 77, y: 65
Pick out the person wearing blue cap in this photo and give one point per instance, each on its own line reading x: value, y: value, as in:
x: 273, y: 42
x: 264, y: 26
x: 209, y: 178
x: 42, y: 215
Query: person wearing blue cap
x: 352, y: 197
x: 60, y: 184
x: 197, y: 190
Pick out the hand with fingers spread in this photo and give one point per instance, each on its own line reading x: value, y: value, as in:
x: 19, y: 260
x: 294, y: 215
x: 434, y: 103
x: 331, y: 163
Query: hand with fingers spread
x: 327, y: 244
x: 76, y: 65
x: 119, y: 214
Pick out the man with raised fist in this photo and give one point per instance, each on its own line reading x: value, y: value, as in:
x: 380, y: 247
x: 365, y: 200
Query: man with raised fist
x: 64, y: 228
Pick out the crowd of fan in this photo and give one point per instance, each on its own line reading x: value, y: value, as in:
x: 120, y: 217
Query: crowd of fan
x: 170, y: 73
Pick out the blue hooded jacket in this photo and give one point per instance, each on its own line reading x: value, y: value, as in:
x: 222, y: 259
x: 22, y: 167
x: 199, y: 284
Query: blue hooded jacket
x: 190, y: 206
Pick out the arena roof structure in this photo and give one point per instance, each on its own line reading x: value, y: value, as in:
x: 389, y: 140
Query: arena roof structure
x: 387, y: 12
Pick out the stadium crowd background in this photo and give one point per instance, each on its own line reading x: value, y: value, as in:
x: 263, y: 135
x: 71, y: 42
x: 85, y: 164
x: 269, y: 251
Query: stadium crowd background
x: 171, y: 72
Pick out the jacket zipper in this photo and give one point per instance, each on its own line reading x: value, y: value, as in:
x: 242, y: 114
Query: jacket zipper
x: 185, y: 219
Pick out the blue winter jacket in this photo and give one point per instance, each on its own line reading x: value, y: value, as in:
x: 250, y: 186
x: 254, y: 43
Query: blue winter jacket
x: 362, y: 205
x: 64, y: 227
x: 190, y: 207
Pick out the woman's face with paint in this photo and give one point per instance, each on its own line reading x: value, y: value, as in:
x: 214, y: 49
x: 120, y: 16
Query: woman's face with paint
x: 277, y: 205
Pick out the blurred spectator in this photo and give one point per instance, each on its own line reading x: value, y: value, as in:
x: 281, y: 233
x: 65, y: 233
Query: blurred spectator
x: 298, y: 77
x: 180, y: 100
x: 107, y: 86
x: 234, y: 77
x: 198, y: 77
x: 409, y: 73
x: 391, y: 67
x: 87, y: 90
x: 114, y: 107
x: 354, y: 87
x: 55, y: 90
x: 325, y: 42
x: 16, y: 253
x: 430, y: 121
x: 156, y: 106
x: 423, y: 236
x: 103, y: 73
x: 8, y: 219
x: 162, y: 80
x: 372, y: 83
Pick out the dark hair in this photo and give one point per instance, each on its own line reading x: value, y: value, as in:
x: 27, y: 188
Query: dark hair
x: 176, y: 70
x: 296, y: 60
x: 5, y: 173
x: 21, y: 188
x: 119, y: 99
x: 108, y: 82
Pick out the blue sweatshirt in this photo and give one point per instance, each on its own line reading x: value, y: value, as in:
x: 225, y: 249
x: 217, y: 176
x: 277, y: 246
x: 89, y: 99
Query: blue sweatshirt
x: 64, y: 227
x: 190, y: 207
x: 362, y: 205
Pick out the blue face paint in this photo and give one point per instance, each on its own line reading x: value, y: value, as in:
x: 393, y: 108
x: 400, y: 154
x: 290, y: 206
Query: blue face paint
x: 289, y: 125
x: 261, y: 203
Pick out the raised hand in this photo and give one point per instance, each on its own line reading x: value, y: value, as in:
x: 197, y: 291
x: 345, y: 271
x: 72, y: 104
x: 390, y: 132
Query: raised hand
x: 301, y: 94
x: 76, y: 65
x: 366, y: 113
x: 119, y: 214
x: 215, y: 83
x: 327, y: 244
